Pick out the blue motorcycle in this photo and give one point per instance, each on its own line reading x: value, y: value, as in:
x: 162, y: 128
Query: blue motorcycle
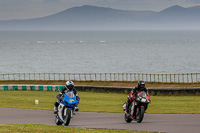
x: 66, y: 108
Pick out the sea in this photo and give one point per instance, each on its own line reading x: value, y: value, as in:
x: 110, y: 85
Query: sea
x: 136, y: 51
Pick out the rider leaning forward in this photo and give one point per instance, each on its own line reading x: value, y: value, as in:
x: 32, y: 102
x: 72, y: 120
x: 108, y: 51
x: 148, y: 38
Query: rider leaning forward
x: 69, y: 87
x: 140, y: 87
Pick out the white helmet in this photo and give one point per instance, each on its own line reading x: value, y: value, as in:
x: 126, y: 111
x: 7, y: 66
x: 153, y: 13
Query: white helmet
x: 70, y: 85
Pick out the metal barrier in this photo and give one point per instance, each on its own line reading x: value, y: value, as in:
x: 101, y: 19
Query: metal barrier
x: 164, y: 78
x: 152, y: 91
x: 32, y: 87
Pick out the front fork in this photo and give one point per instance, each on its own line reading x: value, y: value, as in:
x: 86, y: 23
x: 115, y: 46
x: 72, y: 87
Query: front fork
x: 72, y: 112
x: 132, y: 109
x: 63, y: 110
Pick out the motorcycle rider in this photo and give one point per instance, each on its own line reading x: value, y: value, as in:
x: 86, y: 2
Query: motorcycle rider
x: 140, y: 87
x: 69, y: 87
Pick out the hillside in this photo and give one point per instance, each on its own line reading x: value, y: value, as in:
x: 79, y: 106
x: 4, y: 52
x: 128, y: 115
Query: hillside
x: 92, y: 17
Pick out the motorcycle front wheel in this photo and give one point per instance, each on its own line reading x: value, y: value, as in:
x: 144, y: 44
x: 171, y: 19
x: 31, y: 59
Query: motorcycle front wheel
x: 67, y: 118
x: 140, y: 114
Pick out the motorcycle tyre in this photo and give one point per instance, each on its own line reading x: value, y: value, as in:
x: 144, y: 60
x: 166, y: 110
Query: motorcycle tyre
x: 127, y: 118
x: 68, y: 115
x: 141, y: 115
x: 58, y: 122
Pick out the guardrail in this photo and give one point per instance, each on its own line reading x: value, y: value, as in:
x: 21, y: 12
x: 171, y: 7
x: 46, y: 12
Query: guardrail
x: 152, y: 91
x: 32, y: 87
x: 164, y: 78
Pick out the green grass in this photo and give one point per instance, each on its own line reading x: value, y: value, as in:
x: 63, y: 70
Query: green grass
x: 99, y: 102
x: 175, y: 104
x: 36, y: 128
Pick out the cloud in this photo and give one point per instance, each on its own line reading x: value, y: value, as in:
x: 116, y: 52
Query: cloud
x: 52, y: 1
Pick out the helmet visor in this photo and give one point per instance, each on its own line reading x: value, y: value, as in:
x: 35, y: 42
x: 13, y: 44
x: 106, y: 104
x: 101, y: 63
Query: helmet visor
x: 142, y: 86
x: 70, y: 87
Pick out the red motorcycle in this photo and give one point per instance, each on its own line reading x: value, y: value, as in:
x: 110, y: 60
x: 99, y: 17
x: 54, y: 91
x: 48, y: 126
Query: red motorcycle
x: 137, y: 108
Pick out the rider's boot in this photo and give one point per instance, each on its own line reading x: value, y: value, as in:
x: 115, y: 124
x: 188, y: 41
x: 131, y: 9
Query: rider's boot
x: 124, y: 106
x: 76, y: 108
x: 55, y: 110
x: 56, y: 104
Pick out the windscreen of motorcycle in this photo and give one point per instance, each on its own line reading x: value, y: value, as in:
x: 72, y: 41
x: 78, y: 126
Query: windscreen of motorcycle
x: 142, y: 94
x: 70, y: 94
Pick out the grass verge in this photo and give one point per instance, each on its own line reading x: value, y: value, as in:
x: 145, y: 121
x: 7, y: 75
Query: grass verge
x: 36, y: 128
x: 99, y: 102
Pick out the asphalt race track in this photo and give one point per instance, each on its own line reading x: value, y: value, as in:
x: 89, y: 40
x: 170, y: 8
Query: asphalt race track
x: 177, y: 123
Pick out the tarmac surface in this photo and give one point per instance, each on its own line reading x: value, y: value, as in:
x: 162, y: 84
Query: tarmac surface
x: 173, y: 123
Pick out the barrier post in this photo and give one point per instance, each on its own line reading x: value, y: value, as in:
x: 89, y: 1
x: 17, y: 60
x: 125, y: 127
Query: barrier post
x: 61, y: 87
x: 15, y: 87
x: 192, y: 78
x: 178, y: 79
x: 24, y: 87
x: 150, y: 77
x: 196, y: 78
x: 57, y: 89
x: 49, y: 88
x: 32, y: 87
x: 146, y: 77
x: 174, y: 77
x: 5, y: 87
x: 41, y: 88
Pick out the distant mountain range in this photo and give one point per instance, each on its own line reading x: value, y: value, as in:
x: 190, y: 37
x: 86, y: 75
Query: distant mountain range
x: 101, y: 18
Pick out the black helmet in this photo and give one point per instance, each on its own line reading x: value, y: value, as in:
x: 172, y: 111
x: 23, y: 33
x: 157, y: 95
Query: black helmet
x: 141, y: 85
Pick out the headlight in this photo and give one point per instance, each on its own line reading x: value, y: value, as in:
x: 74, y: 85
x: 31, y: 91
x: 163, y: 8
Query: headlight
x: 143, y: 100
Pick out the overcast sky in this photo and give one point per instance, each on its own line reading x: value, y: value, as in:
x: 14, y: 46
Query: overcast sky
x: 20, y: 9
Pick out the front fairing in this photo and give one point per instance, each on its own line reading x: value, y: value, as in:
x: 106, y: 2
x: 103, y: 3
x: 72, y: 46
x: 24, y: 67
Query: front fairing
x: 142, y: 97
x: 69, y: 101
